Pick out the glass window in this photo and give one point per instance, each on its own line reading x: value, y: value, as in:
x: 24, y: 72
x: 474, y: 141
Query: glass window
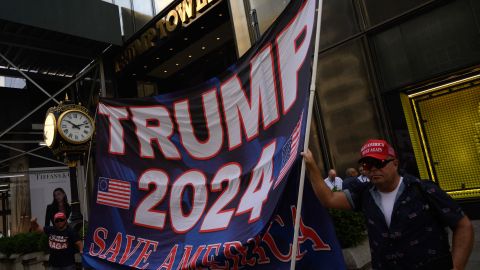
x: 338, y: 18
x: 381, y: 10
x: 144, y: 7
x: 124, y: 10
x: 123, y: 3
x: 267, y: 11
x: 440, y: 41
x: 338, y: 21
x: 12, y: 82
x: 161, y: 5
x: 143, y: 12
x: 346, y: 104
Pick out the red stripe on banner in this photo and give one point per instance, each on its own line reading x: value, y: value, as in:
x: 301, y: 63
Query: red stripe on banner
x: 293, y: 150
x: 118, y: 194
x: 121, y: 185
x: 114, y: 196
x: 118, y: 191
x: 109, y: 203
x: 103, y: 197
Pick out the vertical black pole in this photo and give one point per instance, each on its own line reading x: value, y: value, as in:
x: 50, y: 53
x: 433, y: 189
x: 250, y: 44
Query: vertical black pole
x: 76, y: 216
x: 4, y: 212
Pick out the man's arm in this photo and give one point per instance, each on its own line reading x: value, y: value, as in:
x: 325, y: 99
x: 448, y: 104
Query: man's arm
x: 462, y: 243
x: 79, y: 245
x: 34, y: 226
x: 327, y: 197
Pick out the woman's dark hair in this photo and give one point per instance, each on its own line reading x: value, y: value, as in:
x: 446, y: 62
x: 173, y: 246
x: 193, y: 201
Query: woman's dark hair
x: 53, y: 208
x: 65, y: 199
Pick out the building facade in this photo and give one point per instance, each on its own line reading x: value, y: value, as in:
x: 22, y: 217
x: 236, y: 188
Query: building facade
x: 407, y: 71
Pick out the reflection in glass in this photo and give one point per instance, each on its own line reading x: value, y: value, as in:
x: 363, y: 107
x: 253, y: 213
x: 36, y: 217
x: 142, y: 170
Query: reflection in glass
x: 346, y: 103
x: 161, y: 5
x: 338, y: 21
x: 12, y: 82
x: 144, y: 7
x: 381, y: 10
x: 440, y: 41
x: 267, y: 11
x: 126, y: 22
x: 123, y: 3
x: 143, y: 12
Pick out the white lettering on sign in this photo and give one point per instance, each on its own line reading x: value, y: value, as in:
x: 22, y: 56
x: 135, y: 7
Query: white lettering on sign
x: 241, y: 114
x: 232, y: 116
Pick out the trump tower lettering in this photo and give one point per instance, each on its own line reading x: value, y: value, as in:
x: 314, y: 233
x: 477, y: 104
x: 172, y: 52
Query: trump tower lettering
x: 207, y: 178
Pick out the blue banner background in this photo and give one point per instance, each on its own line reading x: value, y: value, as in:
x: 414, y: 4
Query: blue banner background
x: 130, y: 166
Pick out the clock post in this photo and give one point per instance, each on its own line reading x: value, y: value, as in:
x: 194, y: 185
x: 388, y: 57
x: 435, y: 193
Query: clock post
x: 76, y: 216
x: 68, y: 131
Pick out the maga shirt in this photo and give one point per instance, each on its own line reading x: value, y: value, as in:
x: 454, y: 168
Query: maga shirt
x: 61, y: 245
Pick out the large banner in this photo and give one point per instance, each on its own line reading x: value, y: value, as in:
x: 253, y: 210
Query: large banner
x: 195, y: 179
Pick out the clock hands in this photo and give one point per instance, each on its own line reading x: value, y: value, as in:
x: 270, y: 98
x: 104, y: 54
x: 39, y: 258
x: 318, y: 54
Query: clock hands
x: 74, y: 125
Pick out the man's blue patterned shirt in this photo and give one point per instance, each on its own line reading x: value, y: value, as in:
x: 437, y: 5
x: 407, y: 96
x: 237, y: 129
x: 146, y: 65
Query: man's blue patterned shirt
x: 416, y: 238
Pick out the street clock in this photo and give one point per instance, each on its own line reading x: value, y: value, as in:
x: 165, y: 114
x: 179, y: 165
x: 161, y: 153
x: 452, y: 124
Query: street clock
x: 75, y: 126
x: 68, y: 129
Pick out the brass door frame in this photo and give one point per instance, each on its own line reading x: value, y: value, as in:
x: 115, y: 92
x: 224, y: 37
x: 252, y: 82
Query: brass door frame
x: 417, y: 128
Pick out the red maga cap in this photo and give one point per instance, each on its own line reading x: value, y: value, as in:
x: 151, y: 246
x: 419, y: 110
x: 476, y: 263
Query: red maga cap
x: 59, y: 215
x: 378, y: 149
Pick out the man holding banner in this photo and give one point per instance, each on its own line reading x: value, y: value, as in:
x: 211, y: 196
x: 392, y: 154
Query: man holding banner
x: 405, y: 217
x: 195, y: 179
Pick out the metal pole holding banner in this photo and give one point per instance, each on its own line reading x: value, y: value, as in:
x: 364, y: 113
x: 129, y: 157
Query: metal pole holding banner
x: 293, y: 259
x: 101, y: 93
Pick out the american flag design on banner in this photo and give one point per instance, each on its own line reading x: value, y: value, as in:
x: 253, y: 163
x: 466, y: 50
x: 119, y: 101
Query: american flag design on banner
x: 289, y: 151
x: 115, y: 193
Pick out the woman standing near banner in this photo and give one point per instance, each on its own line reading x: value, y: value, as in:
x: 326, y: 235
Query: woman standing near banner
x: 59, y: 204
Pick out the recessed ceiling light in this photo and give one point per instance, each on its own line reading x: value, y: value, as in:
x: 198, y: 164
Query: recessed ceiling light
x: 218, y: 38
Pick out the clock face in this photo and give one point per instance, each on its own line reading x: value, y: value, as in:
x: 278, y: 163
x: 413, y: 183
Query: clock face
x: 49, y: 129
x: 75, y: 126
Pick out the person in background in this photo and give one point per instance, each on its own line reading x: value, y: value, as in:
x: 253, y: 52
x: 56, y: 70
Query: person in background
x: 59, y: 204
x: 351, y: 172
x: 405, y: 217
x: 351, y: 175
x: 62, y: 241
x: 363, y: 175
x: 333, y: 181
